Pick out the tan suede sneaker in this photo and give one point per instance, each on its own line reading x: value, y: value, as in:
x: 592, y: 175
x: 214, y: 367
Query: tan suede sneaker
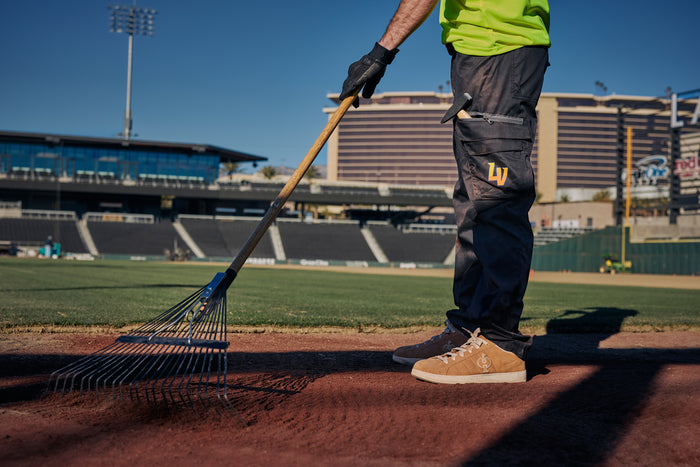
x: 436, y: 345
x: 477, y: 361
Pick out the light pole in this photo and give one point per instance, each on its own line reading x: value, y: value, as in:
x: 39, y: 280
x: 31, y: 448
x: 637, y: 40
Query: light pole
x: 130, y: 20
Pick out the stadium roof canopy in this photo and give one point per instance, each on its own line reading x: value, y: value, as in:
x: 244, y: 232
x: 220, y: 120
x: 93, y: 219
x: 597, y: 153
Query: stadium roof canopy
x: 225, y: 155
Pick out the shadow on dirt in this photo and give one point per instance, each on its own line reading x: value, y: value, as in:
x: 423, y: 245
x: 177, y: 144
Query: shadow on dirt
x: 586, y: 422
x: 581, y: 425
x: 305, y: 366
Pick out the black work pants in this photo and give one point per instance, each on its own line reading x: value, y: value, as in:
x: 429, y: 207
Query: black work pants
x: 494, y: 191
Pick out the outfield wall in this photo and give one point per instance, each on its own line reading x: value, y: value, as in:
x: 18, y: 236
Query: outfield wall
x: 585, y: 254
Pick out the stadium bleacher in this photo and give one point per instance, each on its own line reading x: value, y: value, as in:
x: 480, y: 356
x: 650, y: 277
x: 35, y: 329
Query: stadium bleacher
x: 30, y: 232
x: 206, y: 234
x: 128, y: 238
x: 399, y: 246
x: 235, y: 231
x: 221, y: 237
x: 345, y: 189
x: 419, y: 193
x: 328, y: 241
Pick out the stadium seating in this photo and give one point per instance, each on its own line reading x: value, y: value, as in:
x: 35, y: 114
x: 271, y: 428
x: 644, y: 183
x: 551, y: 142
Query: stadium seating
x: 126, y: 238
x: 236, y: 231
x: 412, y: 247
x: 33, y: 233
x: 348, y: 190
x: 328, y: 241
x: 207, y: 235
x: 420, y: 194
x: 222, y: 237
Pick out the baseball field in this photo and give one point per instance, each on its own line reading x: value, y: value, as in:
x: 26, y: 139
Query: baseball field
x: 613, y: 376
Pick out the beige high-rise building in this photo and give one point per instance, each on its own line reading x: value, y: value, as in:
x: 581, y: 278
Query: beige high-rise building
x: 397, y: 138
x: 394, y: 138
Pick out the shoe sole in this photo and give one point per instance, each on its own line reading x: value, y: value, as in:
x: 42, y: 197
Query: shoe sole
x: 405, y: 360
x: 512, y: 377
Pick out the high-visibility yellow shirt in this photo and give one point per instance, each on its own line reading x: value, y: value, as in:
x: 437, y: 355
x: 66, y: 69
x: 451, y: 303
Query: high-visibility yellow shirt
x: 493, y: 27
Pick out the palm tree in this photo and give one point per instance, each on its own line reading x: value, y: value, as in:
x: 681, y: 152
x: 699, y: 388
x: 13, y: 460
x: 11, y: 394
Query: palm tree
x: 312, y: 173
x: 268, y: 172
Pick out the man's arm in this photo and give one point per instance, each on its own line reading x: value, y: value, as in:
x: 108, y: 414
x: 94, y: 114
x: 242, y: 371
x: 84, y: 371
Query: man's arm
x: 366, y: 72
x: 408, y: 17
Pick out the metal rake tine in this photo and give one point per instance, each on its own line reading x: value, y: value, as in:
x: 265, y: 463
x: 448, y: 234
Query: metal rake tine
x: 198, y: 362
x: 126, y: 364
x: 106, y: 361
x: 186, y: 381
x: 206, y: 356
x: 221, y: 328
x: 114, y: 364
x: 176, y: 369
x: 90, y: 370
x: 146, y: 370
x: 59, y: 375
x: 153, y: 325
x: 68, y: 370
x: 205, y: 373
x: 81, y: 366
x: 189, y: 359
x: 221, y: 376
x: 204, y: 381
x: 206, y: 328
x: 171, y: 379
x: 179, y: 368
x: 178, y: 358
x: 178, y: 318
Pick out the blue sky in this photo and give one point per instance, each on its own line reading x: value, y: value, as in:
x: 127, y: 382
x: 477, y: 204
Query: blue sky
x: 253, y: 76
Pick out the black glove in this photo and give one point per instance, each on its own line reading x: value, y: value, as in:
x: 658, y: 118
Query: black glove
x: 365, y: 73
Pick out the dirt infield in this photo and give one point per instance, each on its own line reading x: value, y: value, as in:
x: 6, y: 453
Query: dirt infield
x: 338, y: 399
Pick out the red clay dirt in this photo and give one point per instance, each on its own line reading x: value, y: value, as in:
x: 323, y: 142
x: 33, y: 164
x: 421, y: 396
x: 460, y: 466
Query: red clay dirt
x: 338, y: 399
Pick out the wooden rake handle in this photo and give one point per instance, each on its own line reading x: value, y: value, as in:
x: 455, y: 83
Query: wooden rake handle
x: 289, y: 187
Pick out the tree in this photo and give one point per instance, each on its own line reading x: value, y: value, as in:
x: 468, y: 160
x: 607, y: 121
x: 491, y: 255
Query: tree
x: 231, y: 168
x: 312, y: 173
x: 564, y: 198
x: 268, y: 172
x: 602, y: 195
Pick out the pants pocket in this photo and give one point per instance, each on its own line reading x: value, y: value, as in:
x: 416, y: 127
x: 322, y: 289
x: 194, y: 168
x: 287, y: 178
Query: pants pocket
x: 493, y: 155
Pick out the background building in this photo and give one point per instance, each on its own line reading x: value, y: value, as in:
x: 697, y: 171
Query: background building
x: 80, y: 174
x: 394, y: 138
x: 398, y: 138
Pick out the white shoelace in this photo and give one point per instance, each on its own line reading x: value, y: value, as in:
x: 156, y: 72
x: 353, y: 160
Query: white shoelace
x: 474, y: 342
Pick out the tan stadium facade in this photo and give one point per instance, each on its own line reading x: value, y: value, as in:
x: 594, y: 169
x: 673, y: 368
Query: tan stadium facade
x: 397, y: 138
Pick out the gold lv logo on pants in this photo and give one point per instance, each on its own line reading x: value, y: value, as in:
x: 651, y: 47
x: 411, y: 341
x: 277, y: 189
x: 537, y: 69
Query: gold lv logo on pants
x: 500, y: 175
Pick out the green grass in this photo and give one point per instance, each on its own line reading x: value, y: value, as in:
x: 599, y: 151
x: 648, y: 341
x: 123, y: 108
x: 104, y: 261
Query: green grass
x: 115, y: 293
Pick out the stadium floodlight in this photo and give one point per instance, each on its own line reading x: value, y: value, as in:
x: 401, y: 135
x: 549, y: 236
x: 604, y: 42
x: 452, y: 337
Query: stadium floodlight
x: 130, y: 20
